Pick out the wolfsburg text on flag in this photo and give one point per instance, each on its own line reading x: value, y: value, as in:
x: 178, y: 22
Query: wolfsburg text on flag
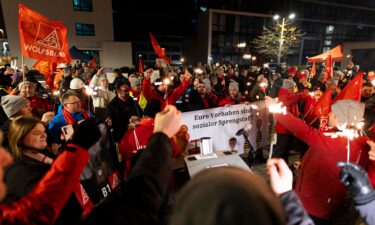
x: 42, y: 38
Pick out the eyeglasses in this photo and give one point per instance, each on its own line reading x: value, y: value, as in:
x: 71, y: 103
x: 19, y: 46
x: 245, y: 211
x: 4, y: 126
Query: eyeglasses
x: 73, y: 102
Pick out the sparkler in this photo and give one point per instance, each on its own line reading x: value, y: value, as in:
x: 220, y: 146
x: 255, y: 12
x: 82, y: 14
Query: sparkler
x: 350, y: 133
x: 275, y: 108
x: 89, y: 91
x: 166, y: 81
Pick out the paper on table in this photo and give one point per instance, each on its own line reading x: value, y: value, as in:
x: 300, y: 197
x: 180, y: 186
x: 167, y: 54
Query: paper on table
x: 210, y: 156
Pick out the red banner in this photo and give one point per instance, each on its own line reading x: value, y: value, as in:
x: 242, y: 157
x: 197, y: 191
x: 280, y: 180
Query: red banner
x: 42, y: 38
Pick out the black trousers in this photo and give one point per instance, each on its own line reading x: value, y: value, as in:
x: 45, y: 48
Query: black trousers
x: 282, y: 147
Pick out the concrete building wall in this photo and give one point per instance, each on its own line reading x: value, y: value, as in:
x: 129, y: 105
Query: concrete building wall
x: 116, y: 54
x: 62, y: 10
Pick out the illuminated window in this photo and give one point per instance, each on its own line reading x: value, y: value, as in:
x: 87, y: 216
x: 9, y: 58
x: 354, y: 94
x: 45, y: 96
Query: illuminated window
x: 83, y: 29
x: 82, y: 5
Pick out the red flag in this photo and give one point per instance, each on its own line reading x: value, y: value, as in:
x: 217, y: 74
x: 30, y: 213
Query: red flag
x: 42, y: 38
x: 158, y: 50
x: 323, y: 107
x: 313, y: 70
x: 93, y: 63
x: 328, y: 69
x: 140, y: 66
x: 47, y: 69
x: 353, y: 90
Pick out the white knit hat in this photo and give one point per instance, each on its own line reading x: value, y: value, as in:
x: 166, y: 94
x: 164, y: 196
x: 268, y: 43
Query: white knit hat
x: 287, y: 84
x: 233, y: 85
x: 348, y: 111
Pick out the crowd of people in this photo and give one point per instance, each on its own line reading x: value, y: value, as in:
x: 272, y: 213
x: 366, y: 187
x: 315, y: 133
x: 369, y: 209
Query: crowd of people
x: 142, y: 111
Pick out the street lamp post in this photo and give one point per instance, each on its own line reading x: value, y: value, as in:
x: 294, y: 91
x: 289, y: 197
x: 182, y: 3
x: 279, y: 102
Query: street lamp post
x: 240, y: 46
x: 281, y: 39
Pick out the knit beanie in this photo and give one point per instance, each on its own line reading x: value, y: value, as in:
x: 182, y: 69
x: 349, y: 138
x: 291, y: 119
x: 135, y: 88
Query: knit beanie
x: 12, y: 104
x: 102, y: 78
x: 287, y: 84
x: 213, y: 79
x: 233, y: 85
x: 206, y: 81
x: 76, y: 83
x: 348, y: 111
x: 25, y: 82
x: 135, y: 82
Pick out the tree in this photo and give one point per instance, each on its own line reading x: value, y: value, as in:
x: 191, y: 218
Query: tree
x: 279, y: 40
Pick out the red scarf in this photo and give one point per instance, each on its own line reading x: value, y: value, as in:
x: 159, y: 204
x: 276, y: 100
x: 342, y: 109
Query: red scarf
x: 68, y: 117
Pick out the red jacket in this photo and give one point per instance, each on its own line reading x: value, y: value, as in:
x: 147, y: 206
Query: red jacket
x: 290, y: 101
x: 39, y: 106
x: 175, y: 94
x: 129, y: 146
x: 318, y: 184
x: 215, y: 99
x: 44, y: 203
x: 230, y: 101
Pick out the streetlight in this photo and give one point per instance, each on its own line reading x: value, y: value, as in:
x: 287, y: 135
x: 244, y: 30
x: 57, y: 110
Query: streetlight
x: 281, y: 39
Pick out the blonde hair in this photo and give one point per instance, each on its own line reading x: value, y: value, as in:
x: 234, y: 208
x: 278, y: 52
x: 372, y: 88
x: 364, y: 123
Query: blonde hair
x: 18, y: 129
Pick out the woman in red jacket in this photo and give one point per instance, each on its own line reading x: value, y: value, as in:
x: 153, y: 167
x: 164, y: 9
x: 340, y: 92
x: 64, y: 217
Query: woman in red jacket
x: 317, y: 183
x: 44, y: 203
x: 284, y: 137
x: 234, y: 96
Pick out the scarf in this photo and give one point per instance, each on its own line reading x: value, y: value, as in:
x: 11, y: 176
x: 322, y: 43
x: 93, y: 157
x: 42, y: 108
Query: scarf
x: 69, y: 119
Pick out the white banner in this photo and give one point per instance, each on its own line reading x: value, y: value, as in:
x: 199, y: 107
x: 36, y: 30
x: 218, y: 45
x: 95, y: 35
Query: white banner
x: 222, y: 124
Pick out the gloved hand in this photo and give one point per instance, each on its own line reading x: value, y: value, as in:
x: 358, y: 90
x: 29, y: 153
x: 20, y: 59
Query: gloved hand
x: 86, y: 133
x: 355, y: 179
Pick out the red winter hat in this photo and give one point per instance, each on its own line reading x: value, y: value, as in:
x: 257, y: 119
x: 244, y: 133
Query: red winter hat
x: 302, y: 74
x: 292, y: 70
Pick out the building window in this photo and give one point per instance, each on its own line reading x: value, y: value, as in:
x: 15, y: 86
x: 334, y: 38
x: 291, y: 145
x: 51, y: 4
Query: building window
x: 82, y: 5
x: 85, y: 29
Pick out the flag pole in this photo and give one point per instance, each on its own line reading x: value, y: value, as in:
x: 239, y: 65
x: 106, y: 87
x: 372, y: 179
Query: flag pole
x: 23, y: 68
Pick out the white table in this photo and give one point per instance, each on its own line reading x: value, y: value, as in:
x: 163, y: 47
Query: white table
x: 196, y: 166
